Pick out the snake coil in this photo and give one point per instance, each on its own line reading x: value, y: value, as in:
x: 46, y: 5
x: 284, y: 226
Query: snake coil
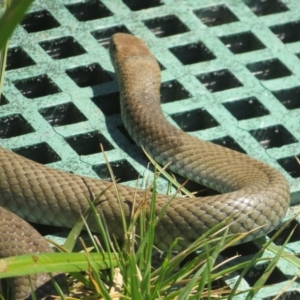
x: 255, y: 193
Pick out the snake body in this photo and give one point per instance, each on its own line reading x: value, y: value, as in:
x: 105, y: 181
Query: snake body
x: 256, y: 194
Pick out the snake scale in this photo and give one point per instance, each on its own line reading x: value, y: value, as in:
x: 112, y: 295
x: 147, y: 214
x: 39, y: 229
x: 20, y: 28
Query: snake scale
x: 256, y: 194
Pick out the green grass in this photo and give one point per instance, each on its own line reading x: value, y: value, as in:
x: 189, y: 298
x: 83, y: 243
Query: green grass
x: 13, y: 12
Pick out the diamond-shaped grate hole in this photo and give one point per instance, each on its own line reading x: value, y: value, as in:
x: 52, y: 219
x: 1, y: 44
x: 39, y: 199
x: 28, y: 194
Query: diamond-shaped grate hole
x: 241, y: 250
x: 172, y: 90
x: 287, y: 33
x: 39, y: 21
x: 103, y: 35
x: 291, y: 294
x: 269, y: 69
x: 109, y: 104
x: 122, y: 171
x: 289, y: 97
x: 38, y: 86
x: 265, y: 7
x: 18, y: 58
x: 41, y: 153
x: 123, y: 130
x: 138, y: 5
x: 62, y: 48
x: 273, y: 136
x: 291, y: 165
x: 218, y: 81
x: 218, y: 284
x: 14, y: 125
x: 242, y: 42
x: 246, y: 108
x: 228, y: 142
x: 192, y: 53
x: 3, y: 100
x: 89, y: 10
x: 88, y: 143
x: 293, y: 227
x: 46, y: 229
x: 90, y: 75
x: 166, y: 26
x: 258, y: 270
x: 63, y: 114
x: 189, y: 120
x: 215, y: 15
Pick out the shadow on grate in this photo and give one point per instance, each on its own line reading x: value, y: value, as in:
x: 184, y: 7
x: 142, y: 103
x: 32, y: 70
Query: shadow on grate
x: 197, y: 189
x: 89, y: 75
x: 170, y: 91
x: 123, y: 130
x: 108, y: 104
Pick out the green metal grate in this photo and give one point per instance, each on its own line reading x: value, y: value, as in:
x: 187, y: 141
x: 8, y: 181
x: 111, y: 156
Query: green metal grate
x: 232, y: 64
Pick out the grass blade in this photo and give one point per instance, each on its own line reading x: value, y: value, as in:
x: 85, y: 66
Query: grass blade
x: 12, y: 16
x: 53, y: 262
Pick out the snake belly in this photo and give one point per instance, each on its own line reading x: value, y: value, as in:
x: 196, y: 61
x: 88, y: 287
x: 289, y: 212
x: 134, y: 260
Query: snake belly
x: 254, y: 193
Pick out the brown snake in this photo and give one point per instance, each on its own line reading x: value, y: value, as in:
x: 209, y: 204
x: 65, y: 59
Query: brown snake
x: 256, y: 194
